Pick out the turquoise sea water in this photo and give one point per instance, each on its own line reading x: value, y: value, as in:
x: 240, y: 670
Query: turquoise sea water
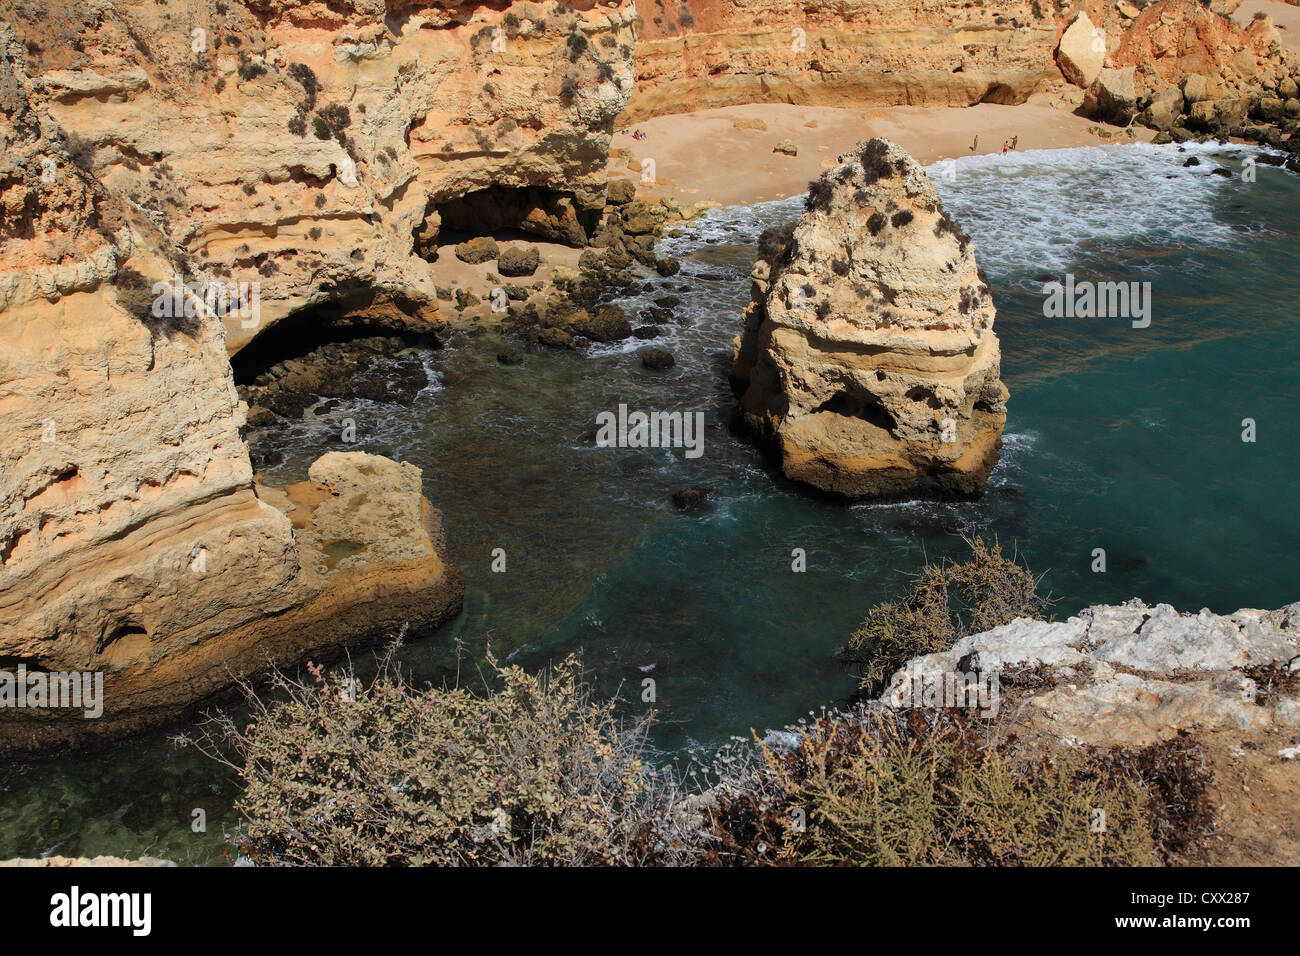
x: 1117, y: 438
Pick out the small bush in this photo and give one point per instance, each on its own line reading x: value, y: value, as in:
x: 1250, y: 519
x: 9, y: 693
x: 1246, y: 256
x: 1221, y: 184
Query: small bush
x: 306, y: 78
x: 774, y: 242
x: 537, y: 773
x: 876, y: 788
x: 874, y: 165
x: 576, y: 44
x: 337, y: 118
x: 819, y: 194
x: 947, y: 602
x: 901, y: 218
x: 321, y: 128
x: 568, y: 90
x: 249, y: 70
x: 946, y: 225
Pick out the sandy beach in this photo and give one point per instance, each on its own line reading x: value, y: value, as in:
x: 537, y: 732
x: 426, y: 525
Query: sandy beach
x: 1285, y: 17
x: 700, y: 156
x: 725, y: 156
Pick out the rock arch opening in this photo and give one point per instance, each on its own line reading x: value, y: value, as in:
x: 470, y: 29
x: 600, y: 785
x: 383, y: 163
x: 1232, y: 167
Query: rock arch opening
x: 346, y: 318
x: 535, y: 210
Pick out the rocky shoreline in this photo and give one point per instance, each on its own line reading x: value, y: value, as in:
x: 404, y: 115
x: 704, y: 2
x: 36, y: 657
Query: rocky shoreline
x: 317, y: 162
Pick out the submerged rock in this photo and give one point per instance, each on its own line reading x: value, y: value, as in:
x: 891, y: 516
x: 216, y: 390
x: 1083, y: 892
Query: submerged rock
x: 868, y: 357
x: 689, y: 499
x: 608, y: 324
x: 657, y: 359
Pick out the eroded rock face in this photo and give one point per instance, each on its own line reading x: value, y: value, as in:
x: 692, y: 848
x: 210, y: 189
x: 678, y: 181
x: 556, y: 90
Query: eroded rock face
x: 868, y: 357
x: 1081, y: 52
x: 1176, y: 39
x: 709, y: 53
x: 311, y: 147
x: 134, y: 542
x: 1130, y: 674
x: 1184, y: 69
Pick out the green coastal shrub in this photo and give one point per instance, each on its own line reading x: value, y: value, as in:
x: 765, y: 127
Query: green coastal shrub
x: 537, y: 773
x: 878, y: 788
x: 947, y: 601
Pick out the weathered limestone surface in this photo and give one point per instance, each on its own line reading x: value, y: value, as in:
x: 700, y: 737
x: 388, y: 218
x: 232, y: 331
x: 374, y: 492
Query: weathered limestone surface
x: 709, y: 53
x: 868, y: 358
x: 133, y: 539
x: 1082, y: 51
x: 1131, y: 674
x: 317, y: 147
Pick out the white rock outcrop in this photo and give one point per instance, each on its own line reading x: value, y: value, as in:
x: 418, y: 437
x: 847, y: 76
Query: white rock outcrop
x: 1131, y: 674
x: 1082, y: 51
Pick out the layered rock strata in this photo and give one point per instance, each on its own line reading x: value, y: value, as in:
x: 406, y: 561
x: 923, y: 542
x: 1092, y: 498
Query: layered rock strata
x: 708, y: 53
x: 134, y: 542
x: 868, y: 358
x: 316, y: 148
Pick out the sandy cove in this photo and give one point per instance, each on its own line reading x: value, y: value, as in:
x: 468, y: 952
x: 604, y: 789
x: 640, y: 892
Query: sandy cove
x: 700, y: 156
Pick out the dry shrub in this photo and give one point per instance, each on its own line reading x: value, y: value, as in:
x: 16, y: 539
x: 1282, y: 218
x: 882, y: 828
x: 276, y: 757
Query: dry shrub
x: 948, y: 601
x: 775, y: 241
x: 535, y: 773
x: 878, y: 788
x: 1272, y: 680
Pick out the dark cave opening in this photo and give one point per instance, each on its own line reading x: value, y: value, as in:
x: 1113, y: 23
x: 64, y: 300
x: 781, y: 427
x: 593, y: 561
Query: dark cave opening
x: 535, y: 210
x: 347, y: 317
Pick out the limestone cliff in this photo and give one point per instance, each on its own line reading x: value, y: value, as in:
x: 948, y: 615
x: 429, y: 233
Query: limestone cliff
x: 706, y: 53
x: 1131, y: 674
x: 868, y: 357
x: 133, y: 540
x: 318, y: 148
x: 1227, y: 686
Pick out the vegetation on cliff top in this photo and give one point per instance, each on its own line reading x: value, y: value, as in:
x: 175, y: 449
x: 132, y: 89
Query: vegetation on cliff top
x: 539, y: 771
x: 947, y: 601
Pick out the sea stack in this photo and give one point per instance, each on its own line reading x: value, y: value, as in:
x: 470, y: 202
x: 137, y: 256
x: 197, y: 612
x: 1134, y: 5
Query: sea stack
x: 868, y: 358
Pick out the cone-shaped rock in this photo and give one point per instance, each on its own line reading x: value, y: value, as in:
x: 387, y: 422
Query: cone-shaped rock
x: 868, y: 357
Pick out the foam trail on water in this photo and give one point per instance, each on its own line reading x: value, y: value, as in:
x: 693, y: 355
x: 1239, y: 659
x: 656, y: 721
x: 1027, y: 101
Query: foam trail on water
x: 1043, y: 212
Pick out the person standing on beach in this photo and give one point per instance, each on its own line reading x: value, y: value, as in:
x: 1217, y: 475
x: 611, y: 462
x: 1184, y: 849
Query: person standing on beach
x: 1014, y: 140
x: 975, y: 144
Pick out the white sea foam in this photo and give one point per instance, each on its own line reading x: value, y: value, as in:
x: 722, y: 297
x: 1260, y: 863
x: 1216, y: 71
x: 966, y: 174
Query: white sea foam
x: 1043, y: 212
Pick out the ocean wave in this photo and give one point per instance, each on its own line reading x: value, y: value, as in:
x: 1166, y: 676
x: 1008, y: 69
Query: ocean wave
x: 1050, y: 211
